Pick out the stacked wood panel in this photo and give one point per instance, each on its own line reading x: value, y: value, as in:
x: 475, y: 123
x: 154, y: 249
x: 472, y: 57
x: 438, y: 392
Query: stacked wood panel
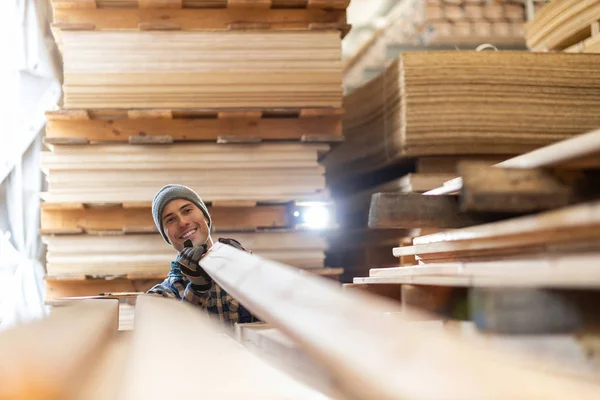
x: 408, y: 130
x: 237, y: 100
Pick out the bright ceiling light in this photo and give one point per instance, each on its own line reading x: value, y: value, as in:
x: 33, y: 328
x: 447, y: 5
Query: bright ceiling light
x: 316, y: 217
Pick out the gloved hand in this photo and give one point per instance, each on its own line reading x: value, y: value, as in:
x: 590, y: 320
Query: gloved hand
x: 189, y: 261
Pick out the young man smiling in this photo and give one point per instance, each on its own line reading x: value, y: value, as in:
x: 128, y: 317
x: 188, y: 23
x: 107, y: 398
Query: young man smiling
x: 184, y: 222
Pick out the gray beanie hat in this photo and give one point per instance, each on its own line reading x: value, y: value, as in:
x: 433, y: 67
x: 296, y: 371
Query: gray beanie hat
x: 173, y: 192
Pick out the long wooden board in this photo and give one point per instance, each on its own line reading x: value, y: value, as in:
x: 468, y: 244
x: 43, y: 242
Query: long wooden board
x: 566, y: 271
x: 214, y: 19
x: 57, y: 288
x: 162, y: 4
x: 574, y: 224
x: 404, y: 210
x: 579, y: 152
x: 322, y: 319
x: 144, y: 377
x: 48, y: 358
x: 72, y: 126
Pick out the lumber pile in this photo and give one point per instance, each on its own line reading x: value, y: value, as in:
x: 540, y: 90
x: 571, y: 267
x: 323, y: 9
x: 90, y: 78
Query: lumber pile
x: 415, y: 25
x: 565, y: 25
x: 237, y: 100
x: 531, y: 268
x: 201, y: 69
x: 302, y: 351
x: 471, y: 94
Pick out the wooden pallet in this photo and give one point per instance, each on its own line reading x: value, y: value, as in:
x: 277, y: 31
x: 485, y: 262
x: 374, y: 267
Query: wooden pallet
x: 161, y: 126
x: 203, y: 4
x: 73, y: 218
x: 569, y: 25
x: 194, y: 19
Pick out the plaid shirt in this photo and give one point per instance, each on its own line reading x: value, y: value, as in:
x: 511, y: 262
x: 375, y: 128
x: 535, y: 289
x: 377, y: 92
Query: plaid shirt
x: 215, y: 301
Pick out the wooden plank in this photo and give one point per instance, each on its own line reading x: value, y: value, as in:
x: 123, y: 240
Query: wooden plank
x: 400, y: 210
x: 155, y: 318
x: 549, y: 271
x: 53, y: 367
x: 572, y: 224
x: 199, y: 19
x: 509, y: 190
x: 327, y: 328
x: 190, y: 129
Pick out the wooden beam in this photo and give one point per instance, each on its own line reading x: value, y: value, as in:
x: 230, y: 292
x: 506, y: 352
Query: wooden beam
x: 579, y: 152
x: 576, y: 271
x: 574, y: 224
x: 197, y: 19
x: 400, y: 210
x: 323, y: 320
x: 155, y: 319
x: 60, y: 288
x: 120, y: 128
x: 509, y: 190
x: 48, y: 358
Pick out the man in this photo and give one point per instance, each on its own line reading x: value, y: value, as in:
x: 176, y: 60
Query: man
x: 184, y: 222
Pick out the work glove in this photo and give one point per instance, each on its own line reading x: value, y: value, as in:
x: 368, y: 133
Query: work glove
x: 189, y: 261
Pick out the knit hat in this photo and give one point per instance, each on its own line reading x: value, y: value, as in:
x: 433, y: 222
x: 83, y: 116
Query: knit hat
x: 173, y: 192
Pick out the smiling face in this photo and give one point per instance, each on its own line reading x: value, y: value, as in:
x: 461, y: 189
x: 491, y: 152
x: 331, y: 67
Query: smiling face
x: 183, y: 220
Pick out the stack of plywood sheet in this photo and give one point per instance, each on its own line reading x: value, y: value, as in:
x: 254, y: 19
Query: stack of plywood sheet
x: 569, y: 25
x: 408, y: 130
x: 461, y: 103
x: 436, y: 25
x: 235, y: 99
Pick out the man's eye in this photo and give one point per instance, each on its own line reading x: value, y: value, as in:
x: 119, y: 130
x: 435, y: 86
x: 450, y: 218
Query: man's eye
x: 187, y: 211
x: 170, y: 220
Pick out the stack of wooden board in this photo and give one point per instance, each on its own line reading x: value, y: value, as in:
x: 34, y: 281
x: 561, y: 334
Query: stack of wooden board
x: 201, y: 69
x: 131, y: 173
x: 139, y: 255
x: 436, y: 25
x: 235, y: 99
x: 569, y: 25
x: 483, y: 102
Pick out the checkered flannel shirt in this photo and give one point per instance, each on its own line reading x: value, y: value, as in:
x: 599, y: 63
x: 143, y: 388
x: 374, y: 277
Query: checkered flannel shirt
x: 215, y: 301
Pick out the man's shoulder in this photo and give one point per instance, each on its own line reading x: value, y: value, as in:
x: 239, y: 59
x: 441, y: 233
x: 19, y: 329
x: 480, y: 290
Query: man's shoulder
x: 232, y: 242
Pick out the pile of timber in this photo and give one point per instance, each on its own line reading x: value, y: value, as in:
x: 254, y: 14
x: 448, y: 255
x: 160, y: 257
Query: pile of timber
x: 466, y: 103
x: 566, y: 25
x: 131, y: 173
x: 201, y: 69
x: 235, y: 99
x: 302, y: 350
x: 146, y: 255
x: 437, y: 25
x: 524, y: 261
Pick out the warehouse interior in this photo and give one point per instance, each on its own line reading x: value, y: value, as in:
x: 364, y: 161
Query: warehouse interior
x: 345, y: 199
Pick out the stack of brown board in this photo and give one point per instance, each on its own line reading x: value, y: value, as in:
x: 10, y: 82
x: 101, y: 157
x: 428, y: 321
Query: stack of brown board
x: 212, y: 73
x: 565, y: 25
x: 436, y: 25
x: 553, y: 249
x: 484, y: 103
